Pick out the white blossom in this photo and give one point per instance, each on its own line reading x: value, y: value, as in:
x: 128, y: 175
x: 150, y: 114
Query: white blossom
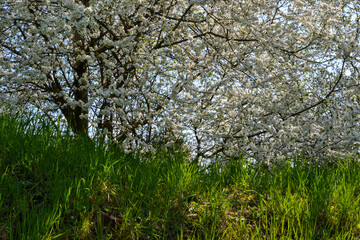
x: 267, y: 79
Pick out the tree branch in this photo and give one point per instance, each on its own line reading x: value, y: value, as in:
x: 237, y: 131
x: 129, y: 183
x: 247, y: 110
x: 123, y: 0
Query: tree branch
x: 322, y: 100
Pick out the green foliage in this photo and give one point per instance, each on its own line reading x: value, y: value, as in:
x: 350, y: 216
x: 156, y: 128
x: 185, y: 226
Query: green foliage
x: 55, y: 186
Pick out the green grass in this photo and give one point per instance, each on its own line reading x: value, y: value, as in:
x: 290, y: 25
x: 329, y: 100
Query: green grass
x: 55, y: 186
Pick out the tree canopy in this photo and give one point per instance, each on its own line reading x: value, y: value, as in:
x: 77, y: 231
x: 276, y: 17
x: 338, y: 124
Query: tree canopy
x: 259, y: 78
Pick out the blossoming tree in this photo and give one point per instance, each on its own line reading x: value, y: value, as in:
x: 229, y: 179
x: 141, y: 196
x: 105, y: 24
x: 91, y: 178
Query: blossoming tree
x: 261, y: 78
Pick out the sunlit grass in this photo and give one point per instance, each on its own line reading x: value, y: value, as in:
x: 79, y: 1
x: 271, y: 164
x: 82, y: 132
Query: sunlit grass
x: 55, y: 186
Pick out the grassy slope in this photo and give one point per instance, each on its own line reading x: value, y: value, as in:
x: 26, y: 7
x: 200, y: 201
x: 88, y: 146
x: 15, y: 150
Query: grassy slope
x: 54, y: 187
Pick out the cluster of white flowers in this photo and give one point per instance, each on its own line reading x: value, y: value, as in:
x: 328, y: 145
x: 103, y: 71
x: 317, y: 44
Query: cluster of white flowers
x: 262, y: 78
